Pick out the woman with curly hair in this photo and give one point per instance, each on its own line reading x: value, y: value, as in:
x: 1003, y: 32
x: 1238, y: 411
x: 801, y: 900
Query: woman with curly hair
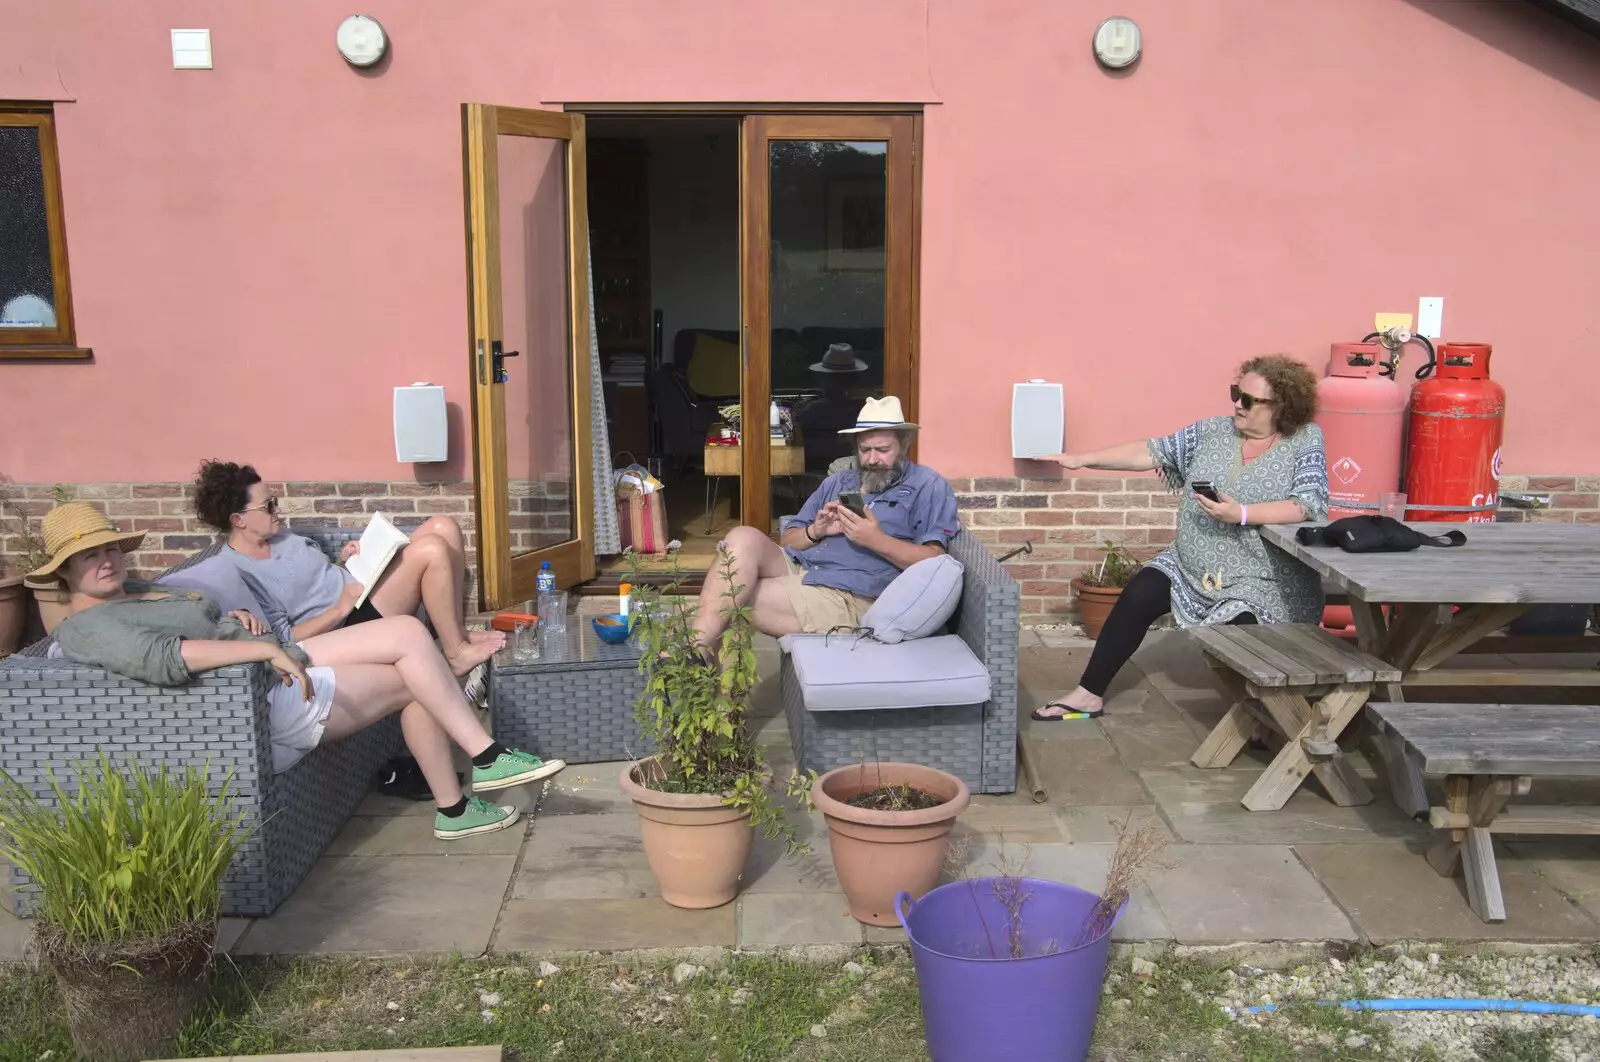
x: 320, y: 596
x: 1267, y: 466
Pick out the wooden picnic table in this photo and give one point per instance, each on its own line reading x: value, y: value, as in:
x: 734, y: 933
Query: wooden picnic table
x: 1452, y: 599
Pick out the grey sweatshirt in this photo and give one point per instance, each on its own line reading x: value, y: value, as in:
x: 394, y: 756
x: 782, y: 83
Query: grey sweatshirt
x: 140, y: 638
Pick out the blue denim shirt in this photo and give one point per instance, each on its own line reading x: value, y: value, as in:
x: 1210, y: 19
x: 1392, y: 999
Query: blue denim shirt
x: 919, y: 508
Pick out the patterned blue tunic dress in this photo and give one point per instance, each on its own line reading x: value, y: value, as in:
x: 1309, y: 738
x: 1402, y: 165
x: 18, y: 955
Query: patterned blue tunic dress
x: 1221, y: 570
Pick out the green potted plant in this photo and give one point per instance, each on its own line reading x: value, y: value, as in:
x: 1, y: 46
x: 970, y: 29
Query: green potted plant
x: 1097, y: 590
x: 130, y: 872
x: 707, y: 787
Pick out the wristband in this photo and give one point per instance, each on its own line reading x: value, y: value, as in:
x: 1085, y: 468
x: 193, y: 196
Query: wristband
x: 812, y: 540
x: 1244, y: 515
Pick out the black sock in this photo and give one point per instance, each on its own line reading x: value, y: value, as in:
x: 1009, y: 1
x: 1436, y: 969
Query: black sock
x: 489, y: 755
x: 456, y: 810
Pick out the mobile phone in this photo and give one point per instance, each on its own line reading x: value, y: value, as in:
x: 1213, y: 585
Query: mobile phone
x: 1204, y: 488
x: 852, y: 500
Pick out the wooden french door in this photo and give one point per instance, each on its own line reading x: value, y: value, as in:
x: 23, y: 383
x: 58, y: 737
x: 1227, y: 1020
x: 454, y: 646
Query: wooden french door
x: 829, y: 227
x: 528, y: 278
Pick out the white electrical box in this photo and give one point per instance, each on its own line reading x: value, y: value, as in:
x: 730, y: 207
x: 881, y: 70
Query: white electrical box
x: 421, y: 428
x: 1038, y: 419
x: 191, y: 49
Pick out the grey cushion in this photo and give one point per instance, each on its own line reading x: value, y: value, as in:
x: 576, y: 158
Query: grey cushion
x: 847, y: 672
x: 918, y: 603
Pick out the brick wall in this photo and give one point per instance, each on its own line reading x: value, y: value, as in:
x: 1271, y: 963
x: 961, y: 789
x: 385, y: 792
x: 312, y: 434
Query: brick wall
x: 1067, y: 520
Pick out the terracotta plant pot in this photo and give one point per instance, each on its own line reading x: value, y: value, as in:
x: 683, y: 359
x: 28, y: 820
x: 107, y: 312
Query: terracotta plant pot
x: 52, y: 599
x: 13, y: 613
x: 130, y: 1000
x: 1094, y: 605
x: 696, y: 844
x: 876, y: 854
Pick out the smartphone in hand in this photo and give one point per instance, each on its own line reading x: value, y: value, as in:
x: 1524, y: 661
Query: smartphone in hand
x: 1204, y: 488
x: 852, y: 500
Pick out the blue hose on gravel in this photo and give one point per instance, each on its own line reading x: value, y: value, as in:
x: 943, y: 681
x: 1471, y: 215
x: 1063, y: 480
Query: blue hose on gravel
x: 1511, y: 1006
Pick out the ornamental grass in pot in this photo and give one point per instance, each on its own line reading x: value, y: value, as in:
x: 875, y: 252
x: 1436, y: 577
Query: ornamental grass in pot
x: 1097, y: 591
x: 130, y: 871
x: 889, y: 828
x: 707, y: 787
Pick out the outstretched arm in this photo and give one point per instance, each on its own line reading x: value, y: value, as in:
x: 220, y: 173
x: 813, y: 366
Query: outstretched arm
x: 1124, y: 457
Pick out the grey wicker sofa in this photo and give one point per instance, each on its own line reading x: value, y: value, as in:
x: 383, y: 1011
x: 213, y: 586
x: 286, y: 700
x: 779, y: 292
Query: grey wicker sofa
x: 54, y: 713
x: 977, y: 742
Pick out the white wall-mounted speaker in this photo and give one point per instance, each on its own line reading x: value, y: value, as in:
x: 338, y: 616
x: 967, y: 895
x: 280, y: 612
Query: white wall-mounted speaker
x: 421, y: 428
x: 1038, y: 419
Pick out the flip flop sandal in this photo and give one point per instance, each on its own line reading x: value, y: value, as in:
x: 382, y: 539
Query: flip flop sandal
x: 1069, y: 713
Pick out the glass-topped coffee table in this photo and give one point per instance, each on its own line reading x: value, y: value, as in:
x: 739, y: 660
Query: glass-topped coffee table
x: 574, y: 702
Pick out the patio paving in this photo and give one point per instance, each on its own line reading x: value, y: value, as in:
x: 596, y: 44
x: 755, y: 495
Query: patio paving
x: 573, y: 877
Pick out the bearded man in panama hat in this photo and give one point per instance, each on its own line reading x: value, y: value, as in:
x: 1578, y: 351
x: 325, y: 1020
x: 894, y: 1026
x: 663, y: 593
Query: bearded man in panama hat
x: 831, y: 562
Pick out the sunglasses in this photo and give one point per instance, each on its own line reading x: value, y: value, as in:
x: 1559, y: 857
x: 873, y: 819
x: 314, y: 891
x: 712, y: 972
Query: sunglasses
x: 271, y: 504
x: 1245, y: 400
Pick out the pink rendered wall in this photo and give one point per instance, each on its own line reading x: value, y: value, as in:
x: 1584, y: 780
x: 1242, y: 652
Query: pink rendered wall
x: 261, y: 251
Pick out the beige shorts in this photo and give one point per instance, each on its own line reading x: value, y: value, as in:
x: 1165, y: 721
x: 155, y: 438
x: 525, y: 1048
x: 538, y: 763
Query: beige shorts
x: 296, y: 723
x: 822, y: 608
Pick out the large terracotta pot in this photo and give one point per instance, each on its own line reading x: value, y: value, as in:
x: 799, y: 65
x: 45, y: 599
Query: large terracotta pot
x: 696, y: 844
x: 13, y: 612
x: 1095, y: 604
x: 54, y: 603
x: 876, y: 854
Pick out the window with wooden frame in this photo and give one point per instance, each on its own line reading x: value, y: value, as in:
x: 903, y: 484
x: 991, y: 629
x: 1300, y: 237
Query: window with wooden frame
x: 35, y: 293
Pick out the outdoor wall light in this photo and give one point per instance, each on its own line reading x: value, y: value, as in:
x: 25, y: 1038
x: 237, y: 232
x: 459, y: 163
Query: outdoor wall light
x: 361, y: 40
x: 1117, y: 43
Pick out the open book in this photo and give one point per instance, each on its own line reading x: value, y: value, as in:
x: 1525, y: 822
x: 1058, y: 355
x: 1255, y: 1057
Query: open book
x: 379, y: 543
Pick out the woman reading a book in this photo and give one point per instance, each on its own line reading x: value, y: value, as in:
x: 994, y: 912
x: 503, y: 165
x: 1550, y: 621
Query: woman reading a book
x: 321, y: 596
x: 333, y: 684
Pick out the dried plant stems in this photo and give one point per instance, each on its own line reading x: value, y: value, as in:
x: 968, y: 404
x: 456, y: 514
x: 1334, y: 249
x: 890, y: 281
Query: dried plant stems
x: 1136, y: 850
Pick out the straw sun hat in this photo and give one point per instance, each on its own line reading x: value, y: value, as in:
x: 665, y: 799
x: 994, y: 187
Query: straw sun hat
x: 75, y: 527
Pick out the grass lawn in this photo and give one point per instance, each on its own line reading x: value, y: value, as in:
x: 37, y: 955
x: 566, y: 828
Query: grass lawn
x: 750, y: 1008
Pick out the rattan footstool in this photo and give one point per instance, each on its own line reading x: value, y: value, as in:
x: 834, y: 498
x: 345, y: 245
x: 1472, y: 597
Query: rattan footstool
x: 574, y: 702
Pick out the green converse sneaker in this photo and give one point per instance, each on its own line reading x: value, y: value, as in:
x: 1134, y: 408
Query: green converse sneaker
x: 480, y: 817
x: 514, y: 767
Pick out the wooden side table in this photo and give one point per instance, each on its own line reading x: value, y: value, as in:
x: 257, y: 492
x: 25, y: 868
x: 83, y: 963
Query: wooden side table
x: 723, y: 461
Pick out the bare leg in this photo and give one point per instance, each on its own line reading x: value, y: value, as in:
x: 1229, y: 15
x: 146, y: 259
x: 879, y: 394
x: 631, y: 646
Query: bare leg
x: 415, y: 671
x: 429, y: 572
x: 365, y: 693
x: 757, y: 560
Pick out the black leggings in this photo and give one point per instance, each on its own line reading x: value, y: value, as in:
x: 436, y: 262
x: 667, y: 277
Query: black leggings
x: 1147, y: 597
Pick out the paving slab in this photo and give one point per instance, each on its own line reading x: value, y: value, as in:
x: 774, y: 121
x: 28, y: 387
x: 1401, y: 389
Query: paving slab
x: 772, y: 870
x: 1151, y: 738
x: 1083, y: 866
x: 1227, y: 892
x: 428, y: 904
x: 14, y: 936
x: 412, y: 835
x: 1200, y: 710
x: 784, y: 919
x: 584, y: 857
x: 1028, y: 823
x: 586, y: 789
x: 1101, y: 824
x: 1086, y: 772
x: 610, y: 925
x: 1391, y: 893
x: 1169, y: 660
x: 1203, y: 807
x: 1570, y: 864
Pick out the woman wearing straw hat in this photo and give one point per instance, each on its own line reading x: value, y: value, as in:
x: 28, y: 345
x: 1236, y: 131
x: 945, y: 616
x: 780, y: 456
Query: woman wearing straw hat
x: 332, y: 685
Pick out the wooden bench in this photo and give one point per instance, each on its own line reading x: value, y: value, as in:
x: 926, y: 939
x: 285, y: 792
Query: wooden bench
x: 1296, y: 682
x: 1488, y: 753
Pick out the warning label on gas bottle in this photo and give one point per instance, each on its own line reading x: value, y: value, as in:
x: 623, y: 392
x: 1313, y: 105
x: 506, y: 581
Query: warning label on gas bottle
x: 1345, y: 470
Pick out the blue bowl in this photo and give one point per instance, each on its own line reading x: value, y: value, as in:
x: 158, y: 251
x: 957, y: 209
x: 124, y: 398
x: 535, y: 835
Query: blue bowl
x: 613, y: 630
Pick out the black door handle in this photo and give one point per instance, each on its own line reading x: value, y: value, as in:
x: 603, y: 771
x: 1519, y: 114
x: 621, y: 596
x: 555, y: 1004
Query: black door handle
x: 499, y: 361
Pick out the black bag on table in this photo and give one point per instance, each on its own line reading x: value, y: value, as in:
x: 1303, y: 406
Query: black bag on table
x: 1374, y: 534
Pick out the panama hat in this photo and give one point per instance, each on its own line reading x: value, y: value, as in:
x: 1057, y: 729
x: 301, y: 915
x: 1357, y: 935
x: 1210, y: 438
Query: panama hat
x: 839, y: 358
x: 75, y: 527
x: 880, y: 414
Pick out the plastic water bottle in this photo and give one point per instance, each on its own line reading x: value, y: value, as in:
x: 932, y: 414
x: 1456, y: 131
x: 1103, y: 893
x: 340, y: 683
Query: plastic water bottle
x: 549, y: 612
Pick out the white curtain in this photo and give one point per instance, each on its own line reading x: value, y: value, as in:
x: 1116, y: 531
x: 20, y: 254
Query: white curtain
x: 607, y: 539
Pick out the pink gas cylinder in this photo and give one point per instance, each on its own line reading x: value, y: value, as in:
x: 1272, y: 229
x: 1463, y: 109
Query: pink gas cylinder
x: 1362, y: 414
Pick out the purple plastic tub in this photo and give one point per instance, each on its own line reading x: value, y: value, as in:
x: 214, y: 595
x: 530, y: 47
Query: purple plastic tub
x: 978, y: 1003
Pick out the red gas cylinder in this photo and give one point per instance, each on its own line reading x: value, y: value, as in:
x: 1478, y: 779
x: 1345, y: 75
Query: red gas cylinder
x: 1457, y: 419
x: 1362, y: 416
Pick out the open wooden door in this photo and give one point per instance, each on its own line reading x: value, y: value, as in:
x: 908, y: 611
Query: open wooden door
x: 528, y: 278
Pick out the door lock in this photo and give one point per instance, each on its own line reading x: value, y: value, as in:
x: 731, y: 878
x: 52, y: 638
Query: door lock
x: 498, y: 358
